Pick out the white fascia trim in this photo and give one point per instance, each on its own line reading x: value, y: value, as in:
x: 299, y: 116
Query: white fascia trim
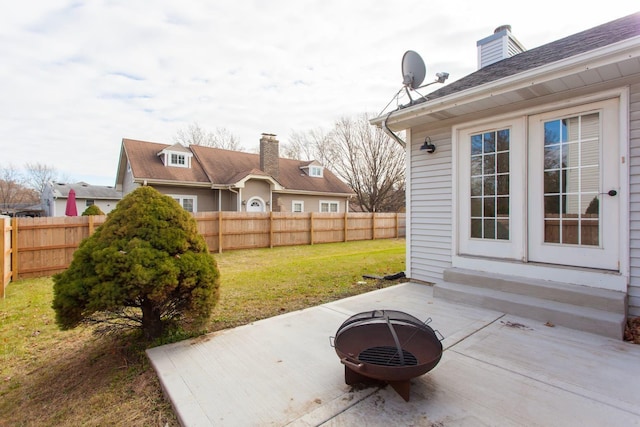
x: 313, y: 193
x: 243, y: 181
x: 147, y: 181
x: 616, y: 52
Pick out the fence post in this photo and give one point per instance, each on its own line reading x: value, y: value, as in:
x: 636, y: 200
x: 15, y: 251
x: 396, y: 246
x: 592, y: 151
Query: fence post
x: 397, y: 226
x: 5, y: 276
x: 91, y: 227
x: 219, y: 232
x: 270, y: 229
x: 14, y: 248
x: 311, y: 228
x: 346, y: 223
x: 373, y: 226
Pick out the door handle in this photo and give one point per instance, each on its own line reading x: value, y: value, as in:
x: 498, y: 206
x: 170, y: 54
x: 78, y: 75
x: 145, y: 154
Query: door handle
x: 611, y: 193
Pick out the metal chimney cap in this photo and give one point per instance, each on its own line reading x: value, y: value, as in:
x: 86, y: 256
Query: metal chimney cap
x: 501, y: 28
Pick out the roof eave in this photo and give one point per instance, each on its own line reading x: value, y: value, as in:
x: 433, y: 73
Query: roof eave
x: 400, y: 119
x: 314, y: 193
x: 152, y: 181
x: 241, y: 183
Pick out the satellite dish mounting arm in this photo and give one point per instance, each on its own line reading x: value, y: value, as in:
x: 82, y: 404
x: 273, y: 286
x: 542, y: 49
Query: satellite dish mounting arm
x: 389, y: 132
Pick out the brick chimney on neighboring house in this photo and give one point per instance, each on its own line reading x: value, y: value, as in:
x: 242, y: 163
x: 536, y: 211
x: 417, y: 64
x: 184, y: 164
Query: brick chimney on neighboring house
x: 269, y: 154
x: 498, y: 46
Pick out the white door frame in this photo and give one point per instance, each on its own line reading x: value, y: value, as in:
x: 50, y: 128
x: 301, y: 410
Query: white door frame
x: 606, y: 254
x: 513, y: 248
x: 592, y: 277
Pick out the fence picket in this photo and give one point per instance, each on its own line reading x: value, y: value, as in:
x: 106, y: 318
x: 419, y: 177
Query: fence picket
x: 33, y: 247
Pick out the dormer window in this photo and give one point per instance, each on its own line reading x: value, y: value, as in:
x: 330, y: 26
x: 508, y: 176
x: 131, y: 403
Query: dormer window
x: 177, y: 160
x: 176, y: 155
x: 315, y: 171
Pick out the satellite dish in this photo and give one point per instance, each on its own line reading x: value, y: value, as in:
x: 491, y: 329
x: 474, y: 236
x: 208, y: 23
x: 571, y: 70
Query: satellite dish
x: 413, y: 70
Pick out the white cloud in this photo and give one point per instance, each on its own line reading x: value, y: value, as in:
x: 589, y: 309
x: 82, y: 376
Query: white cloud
x: 78, y: 76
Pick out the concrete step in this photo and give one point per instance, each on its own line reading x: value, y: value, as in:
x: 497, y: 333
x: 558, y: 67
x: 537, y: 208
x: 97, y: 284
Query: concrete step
x: 582, y: 296
x: 540, y: 305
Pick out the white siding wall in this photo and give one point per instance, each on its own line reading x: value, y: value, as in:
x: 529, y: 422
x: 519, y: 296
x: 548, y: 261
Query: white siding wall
x: 430, y: 216
x: 634, y: 200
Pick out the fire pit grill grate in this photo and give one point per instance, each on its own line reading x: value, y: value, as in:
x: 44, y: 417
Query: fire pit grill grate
x: 387, y: 356
x: 388, y: 346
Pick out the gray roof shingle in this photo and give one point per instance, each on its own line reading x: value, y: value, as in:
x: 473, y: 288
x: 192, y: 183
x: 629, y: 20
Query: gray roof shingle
x: 585, y: 41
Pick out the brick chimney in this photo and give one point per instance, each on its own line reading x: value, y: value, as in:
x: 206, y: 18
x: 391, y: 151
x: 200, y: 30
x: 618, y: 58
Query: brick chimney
x: 269, y: 154
x: 498, y: 46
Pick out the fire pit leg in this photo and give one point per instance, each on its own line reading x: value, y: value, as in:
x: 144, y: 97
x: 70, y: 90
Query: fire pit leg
x: 402, y: 388
x: 352, y: 377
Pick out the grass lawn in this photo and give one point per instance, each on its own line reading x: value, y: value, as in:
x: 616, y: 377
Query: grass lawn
x: 53, y: 378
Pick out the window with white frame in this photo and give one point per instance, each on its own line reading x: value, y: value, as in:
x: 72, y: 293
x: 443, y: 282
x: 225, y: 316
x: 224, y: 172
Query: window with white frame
x: 297, y: 206
x: 315, y: 171
x: 189, y: 203
x: 326, y: 206
x: 89, y: 202
x: 176, y: 159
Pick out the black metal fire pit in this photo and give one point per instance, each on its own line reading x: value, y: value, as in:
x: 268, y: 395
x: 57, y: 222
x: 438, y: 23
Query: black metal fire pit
x: 387, y: 346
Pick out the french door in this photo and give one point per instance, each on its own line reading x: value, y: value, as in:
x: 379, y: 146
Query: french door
x: 574, y: 204
x: 542, y: 188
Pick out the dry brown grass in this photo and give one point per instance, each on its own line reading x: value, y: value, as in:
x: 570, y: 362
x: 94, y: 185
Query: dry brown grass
x: 50, y: 377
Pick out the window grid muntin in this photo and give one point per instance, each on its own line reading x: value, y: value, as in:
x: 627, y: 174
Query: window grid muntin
x: 490, y: 187
x: 297, y: 206
x: 572, y: 180
x: 178, y: 159
x: 329, y: 207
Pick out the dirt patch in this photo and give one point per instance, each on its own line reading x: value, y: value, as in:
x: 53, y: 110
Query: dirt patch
x: 632, y: 330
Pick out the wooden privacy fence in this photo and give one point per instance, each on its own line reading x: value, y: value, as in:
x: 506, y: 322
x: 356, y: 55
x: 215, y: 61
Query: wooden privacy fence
x: 33, y: 247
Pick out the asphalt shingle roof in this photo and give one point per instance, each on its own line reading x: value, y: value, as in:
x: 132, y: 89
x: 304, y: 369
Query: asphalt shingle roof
x: 585, y: 41
x: 225, y: 167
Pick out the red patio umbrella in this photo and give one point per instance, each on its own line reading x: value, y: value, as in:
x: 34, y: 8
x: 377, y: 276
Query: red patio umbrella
x: 71, y: 209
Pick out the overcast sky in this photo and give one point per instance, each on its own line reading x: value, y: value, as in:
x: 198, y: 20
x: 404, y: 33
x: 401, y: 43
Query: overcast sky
x: 78, y: 76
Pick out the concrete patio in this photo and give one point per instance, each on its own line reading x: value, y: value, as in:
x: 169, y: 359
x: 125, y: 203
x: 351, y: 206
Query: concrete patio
x: 496, y: 370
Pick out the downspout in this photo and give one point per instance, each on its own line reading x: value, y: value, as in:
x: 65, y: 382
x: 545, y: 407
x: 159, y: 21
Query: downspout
x: 389, y: 132
x: 237, y: 198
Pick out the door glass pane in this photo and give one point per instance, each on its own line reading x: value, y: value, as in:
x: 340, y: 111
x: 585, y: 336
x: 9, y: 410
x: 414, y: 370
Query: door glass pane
x: 572, y: 180
x: 490, y: 192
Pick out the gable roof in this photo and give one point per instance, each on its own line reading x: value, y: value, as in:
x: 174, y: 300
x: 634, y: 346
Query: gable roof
x: 605, y: 56
x: 216, y: 167
x: 228, y: 167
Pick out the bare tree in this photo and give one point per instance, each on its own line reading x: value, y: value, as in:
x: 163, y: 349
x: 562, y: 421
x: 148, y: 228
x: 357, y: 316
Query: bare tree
x: 220, y: 138
x: 371, y: 163
x: 38, y: 175
x: 13, y: 190
x: 315, y: 144
x: 223, y: 138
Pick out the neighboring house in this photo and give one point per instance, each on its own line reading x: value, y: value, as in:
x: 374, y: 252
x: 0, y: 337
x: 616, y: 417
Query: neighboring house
x: 55, y: 195
x: 531, y: 203
x: 212, y: 179
x: 22, y: 210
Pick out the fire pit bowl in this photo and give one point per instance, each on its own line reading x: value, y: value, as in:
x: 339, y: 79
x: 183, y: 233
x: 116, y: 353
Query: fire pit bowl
x: 387, y: 346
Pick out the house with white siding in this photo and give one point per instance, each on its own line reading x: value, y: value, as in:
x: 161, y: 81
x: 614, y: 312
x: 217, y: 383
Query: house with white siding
x: 530, y: 203
x: 55, y: 194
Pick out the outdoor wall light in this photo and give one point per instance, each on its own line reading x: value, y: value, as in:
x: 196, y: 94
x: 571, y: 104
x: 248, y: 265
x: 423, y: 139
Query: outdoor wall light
x: 244, y: 202
x: 428, y: 146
